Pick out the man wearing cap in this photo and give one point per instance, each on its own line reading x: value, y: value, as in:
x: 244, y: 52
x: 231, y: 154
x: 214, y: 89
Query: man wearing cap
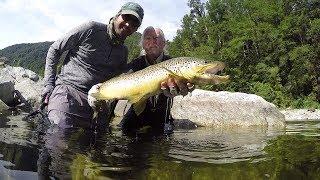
x: 94, y: 52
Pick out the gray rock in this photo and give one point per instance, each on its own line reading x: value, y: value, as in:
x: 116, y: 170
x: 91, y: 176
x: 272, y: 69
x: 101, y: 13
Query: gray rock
x: 6, y: 92
x: 301, y: 114
x: 25, y: 81
x: 3, y: 106
x: 30, y: 90
x: 226, y: 109
x: 184, y: 124
x: 17, y: 74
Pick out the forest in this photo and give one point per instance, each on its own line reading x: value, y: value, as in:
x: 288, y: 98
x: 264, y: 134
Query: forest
x: 271, y: 48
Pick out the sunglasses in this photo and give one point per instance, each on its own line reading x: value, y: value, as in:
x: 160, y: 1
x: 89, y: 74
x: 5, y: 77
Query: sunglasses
x: 131, y: 19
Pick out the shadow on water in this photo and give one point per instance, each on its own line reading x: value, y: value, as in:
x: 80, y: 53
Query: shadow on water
x: 251, y: 153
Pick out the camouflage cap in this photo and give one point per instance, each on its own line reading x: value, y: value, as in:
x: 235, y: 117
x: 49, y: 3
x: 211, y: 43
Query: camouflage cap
x: 133, y: 9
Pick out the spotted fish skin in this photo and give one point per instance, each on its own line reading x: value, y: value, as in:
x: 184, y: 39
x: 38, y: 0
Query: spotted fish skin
x: 138, y: 86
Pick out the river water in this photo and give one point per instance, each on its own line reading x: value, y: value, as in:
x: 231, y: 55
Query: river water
x: 202, y: 153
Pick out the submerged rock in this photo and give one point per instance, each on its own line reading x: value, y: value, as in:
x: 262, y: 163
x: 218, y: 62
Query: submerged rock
x: 226, y: 109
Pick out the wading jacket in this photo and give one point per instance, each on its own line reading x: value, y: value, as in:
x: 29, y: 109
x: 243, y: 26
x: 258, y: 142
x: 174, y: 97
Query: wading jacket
x: 94, y: 55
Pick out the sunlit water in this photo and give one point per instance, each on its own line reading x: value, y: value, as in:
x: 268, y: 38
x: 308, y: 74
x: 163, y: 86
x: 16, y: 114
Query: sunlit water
x: 254, y: 153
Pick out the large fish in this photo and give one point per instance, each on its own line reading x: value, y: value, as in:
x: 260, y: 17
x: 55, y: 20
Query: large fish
x: 137, y: 87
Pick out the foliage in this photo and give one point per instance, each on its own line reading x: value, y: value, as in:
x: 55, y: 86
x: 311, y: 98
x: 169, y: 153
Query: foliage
x: 132, y: 42
x: 271, y: 47
x: 31, y: 56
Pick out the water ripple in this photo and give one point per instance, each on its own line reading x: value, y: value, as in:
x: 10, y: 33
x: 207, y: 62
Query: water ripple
x: 219, y: 147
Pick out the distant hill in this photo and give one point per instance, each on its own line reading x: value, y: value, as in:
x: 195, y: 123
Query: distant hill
x: 28, y: 55
x: 32, y: 55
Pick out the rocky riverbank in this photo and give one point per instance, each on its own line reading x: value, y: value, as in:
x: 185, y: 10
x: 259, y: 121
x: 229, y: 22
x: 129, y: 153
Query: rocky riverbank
x: 19, y: 86
x: 301, y: 114
x: 199, y: 108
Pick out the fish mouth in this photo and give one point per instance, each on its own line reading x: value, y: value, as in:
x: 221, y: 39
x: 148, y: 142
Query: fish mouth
x: 214, y: 68
x: 213, y: 73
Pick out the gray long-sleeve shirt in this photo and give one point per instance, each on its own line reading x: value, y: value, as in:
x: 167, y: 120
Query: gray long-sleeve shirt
x: 94, y: 55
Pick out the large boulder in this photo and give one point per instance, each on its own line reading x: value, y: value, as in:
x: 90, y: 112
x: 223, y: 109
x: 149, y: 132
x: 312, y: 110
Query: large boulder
x: 25, y: 81
x: 17, y: 73
x: 226, y: 109
x: 30, y: 90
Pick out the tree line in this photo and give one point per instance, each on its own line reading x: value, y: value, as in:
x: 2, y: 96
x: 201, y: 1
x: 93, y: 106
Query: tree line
x: 271, y: 47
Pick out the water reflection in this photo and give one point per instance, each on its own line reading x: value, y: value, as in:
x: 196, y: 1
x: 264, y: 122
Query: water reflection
x: 115, y: 156
x: 60, y: 148
x: 17, y: 161
x: 306, y: 128
x: 221, y: 146
x: 295, y: 157
x: 15, y: 131
x: 251, y: 153
x: 18, y: 148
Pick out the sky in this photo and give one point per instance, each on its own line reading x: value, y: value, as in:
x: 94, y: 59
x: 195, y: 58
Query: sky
x: 28, y: 21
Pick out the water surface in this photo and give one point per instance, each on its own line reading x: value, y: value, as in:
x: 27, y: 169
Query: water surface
x: 251, y: 153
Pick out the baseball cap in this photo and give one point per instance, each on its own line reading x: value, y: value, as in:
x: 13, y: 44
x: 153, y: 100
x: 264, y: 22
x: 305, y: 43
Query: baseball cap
x: 133, y: 9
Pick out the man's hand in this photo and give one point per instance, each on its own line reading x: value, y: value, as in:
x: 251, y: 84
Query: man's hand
x: 173, y: 87
x: 92, y: 101
x: 47, y: 91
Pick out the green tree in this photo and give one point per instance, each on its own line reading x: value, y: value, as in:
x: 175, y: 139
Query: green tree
x: 271, y: 47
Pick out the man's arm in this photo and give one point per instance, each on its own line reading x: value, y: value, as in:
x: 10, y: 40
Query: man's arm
x: 68, y: 42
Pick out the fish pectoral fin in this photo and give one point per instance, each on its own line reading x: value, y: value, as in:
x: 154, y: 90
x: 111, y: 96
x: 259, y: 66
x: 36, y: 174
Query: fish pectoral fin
x: 138, y: 103
x: 171, y: 73
x: 139, y: 106
x: 174, y: 75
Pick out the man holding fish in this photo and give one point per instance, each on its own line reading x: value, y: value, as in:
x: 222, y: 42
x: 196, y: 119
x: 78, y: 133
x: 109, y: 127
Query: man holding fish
x: 94, y: 52
x: 156, y: 115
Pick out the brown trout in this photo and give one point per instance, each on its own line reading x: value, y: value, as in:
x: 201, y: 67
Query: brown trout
x: 137, y: 87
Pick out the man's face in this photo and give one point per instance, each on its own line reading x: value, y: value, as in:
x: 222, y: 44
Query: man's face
x: 153, y: 43
x: 125, y: 25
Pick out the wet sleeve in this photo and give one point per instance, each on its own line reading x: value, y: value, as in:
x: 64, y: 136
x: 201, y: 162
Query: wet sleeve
x: 68, y: 42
